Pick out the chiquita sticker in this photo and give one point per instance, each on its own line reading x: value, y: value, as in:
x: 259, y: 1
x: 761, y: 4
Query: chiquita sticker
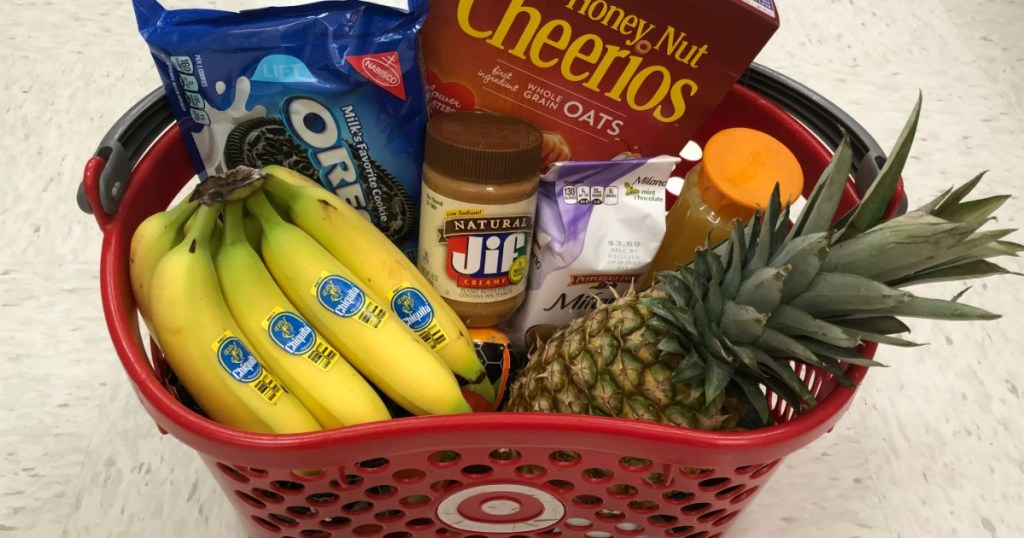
x: 415, y: 310
x: 242, y: 366
x: 292, y: 334
x: 345, y: 299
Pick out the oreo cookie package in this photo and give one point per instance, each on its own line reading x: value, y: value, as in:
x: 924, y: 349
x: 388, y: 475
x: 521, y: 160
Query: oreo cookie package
x: 330, y: 89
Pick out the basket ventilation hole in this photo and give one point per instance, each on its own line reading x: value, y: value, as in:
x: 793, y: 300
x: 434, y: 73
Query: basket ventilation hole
x: 399, y: 534
x: 233, y: 473
x: 629, y: 527
x: 631, y: 463
x: 565, y: 458
x: 724, y: 520
x: 607, y: 514
x: 560, y: 486
x: 373, y: 464
x: 677, y: 497
x: 712, y: 515
x: 367, y: 530
x: 323, y: 499
x: 444, y: 458
x: 303, y: 512
x: 445, y: 532
x: 442, y: 486
x: 357, y: 507
x: 695, y: 508
x: 381, y: 492
x: 711, y: 484
x: 530, y: 471
x: 656, y: 480
x: 679, y: 531
x: 477, y: 471
x: 744, y: 496
x: 409, y: 476
x: 414, y: 501
x: 250, y: 500
x: 623, y: 491
x: 767, y: 468
x: 643, y: 506
x: 505, y: 455
x: 268, y: 496
x: 335, y: 522
x: 389, y: 515
x: 587, y: 500
x: 554, y: 531
x: 420, y: 523
x: 288, y: 487
x: 284, y: 521
x: 257, y: 473
x: 315, y: 533
x: 266, y: 524
x: 578, y: 522
x: 349, y: 481
x: 701, y: 534
x: 309, y: 475
x: 746, y: 469
x: 695, y: 472
x: 598, y: 534
x: 596, y: 474
x: 662, y: 520
x: 725, y: 493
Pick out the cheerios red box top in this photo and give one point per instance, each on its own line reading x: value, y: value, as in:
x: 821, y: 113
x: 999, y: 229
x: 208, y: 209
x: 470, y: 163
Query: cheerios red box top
x: 599, y: 77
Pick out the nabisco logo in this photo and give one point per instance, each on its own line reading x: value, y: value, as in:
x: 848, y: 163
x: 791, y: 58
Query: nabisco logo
x: 383, y: 69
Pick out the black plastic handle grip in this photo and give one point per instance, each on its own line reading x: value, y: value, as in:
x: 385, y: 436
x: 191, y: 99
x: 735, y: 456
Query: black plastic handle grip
x: 127, y: 141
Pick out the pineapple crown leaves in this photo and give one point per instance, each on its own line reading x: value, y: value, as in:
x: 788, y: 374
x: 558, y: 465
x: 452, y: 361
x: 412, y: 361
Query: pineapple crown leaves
x: 814, y: 289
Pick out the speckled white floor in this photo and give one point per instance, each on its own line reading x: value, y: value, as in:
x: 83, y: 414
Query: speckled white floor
x: 931, y: 447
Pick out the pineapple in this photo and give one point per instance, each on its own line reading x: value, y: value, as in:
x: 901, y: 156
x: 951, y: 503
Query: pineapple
x: 699, y: 348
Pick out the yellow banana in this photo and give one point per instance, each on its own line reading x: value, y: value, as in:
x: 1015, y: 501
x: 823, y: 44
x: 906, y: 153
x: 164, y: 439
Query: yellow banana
x: 351, y: 317
x: 153, y: 239
x: 312, y: 369
x: 206, y: 348
x: 364, y: 249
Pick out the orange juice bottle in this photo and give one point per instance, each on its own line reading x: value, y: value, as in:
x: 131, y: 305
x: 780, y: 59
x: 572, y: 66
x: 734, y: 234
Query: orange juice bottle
x: 736, y: 175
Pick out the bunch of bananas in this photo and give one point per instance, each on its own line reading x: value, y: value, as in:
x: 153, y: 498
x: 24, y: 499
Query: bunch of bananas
x: 282, y: 309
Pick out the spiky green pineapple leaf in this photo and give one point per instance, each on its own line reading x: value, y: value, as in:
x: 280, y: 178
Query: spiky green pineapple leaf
x: 718, y: 376
x: 784, y: 373
x: 782, y: 345
x: 963, y: 271
x: 763, y: 250
x: 824, y: 200
x: 834, y: 367
x: 958, y: 194
x: 741, y: 323
x: 763, y: 290
x: 751, y: 388
x: 920, y: 307
x: 831, y: 294
x: 690, y: 369
x: 671, y: 344
x: 974, y: 210
x: 931, y: 206
x: 877, y: 325
x: 734, y: 273
x: 795, y: 322
x: 804, y: 256
x: 872, y: 207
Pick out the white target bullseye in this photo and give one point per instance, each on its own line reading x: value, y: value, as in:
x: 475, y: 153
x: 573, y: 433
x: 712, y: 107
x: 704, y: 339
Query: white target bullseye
x: 500, y: 508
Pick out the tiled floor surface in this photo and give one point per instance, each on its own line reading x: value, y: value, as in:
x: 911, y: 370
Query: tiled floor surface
x: 932, y: 446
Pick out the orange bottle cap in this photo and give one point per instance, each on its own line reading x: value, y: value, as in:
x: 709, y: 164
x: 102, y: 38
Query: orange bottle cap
x: 740, y: 168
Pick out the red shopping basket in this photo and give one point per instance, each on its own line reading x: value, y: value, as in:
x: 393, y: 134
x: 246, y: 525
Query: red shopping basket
x: 485, y: 474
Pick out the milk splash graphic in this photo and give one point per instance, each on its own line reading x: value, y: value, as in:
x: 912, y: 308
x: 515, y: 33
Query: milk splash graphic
x: 211, y: 140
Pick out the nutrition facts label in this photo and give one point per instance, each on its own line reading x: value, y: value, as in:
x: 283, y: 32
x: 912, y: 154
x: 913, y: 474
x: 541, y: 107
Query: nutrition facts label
x: 185, y: 71
x: 590, y: 195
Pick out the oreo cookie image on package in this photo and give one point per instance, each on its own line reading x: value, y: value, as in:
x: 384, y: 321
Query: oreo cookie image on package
x: 332, y: 90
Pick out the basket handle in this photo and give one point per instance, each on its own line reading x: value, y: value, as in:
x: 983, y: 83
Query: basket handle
x: 823, y: 118
x: 109, y: 170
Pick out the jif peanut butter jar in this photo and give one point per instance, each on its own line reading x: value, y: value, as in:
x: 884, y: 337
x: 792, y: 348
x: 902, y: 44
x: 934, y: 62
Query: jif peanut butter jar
x: 480, y: 179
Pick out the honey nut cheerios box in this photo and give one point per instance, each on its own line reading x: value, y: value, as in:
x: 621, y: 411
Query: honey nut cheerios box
x: 600, y: 78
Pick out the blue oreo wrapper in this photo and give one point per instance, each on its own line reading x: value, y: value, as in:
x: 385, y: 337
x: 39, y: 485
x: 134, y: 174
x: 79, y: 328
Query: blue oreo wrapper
x: 333, y: 90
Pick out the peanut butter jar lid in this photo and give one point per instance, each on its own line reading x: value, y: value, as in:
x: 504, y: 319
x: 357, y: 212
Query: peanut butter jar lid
x: 482, y: 146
